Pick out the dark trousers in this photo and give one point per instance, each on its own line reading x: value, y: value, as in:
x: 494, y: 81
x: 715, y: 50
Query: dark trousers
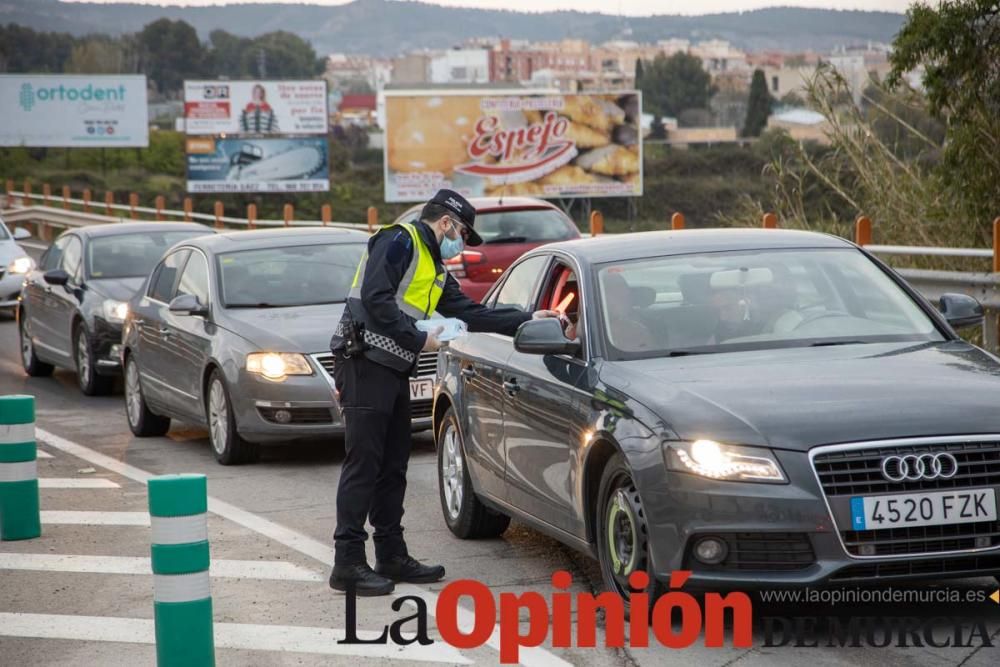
x: 376, y: 404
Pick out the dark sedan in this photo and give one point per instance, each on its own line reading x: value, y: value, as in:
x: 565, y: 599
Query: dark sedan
x: 73, y: 304
x: 760, y: 407
x: 233, y: 332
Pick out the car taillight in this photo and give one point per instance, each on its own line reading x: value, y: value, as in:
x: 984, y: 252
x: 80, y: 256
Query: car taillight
x: 456, y: 265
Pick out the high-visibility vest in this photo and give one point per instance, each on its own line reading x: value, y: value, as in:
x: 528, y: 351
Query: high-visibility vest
x: 417, y: 296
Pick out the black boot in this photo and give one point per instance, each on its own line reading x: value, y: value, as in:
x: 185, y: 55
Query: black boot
x: 408, y: 569
x: 362, y: 578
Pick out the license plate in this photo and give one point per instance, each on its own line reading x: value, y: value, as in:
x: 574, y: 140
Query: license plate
x: 421, y: 389
x: 933, y: 508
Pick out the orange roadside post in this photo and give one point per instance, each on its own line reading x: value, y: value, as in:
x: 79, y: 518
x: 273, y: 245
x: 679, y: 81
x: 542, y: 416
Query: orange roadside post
x: 27, y: 193
x: 326, y: 214
x: 46, y: 193
x: 770, y: 221
x: 596, y: 223
x: 288, y: 213
x: 863, y: 231
x: 109, y: 200
x: 372, y: 219
x: 86, y: 200
x: 188, y: 207
x: 159, y: 203
x: 219, y: 211
x: 65, y: 196
x: 251, y: 216
x: 133, y: 202
x: 9, y: 186
x: 677, y: 220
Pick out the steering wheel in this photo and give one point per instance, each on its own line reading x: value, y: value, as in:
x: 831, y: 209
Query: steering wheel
x: 820, y: 316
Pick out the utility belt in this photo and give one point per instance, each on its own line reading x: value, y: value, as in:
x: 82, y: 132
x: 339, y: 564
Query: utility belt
x: 359, y: 339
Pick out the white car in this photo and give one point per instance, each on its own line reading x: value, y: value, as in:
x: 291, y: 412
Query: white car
x: 14, y: 264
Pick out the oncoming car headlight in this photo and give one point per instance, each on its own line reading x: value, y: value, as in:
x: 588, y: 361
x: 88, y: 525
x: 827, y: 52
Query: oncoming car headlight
x: 21, y: 265
x: 114, y: 311
x: 713, y: 460
x: 278, y: 365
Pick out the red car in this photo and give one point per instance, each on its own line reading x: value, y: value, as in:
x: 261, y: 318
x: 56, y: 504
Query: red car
x: 509, y: 227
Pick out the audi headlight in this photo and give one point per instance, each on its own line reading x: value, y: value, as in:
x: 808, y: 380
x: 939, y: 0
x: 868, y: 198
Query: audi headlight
x: 115, y: 311
x: 278, y: 365
x: 713, y: 460
x: 21, y: 265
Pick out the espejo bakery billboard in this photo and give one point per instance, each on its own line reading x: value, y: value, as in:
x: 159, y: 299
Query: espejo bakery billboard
x: 485, y: 143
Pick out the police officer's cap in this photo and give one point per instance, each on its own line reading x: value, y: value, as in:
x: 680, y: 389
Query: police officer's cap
x: 462, y: 209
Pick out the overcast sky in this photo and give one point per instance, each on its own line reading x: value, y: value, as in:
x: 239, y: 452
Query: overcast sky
x: 631, y: 7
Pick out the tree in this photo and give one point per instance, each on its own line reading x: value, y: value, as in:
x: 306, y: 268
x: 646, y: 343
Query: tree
x: 672, y: 84
x: 284, y: 55
x: 758, y: 106
x: 170, y: 53
x: 957, y: 44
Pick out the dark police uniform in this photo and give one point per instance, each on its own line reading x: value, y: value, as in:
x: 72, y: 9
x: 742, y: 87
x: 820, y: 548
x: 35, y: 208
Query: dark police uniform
x: 374, y: 384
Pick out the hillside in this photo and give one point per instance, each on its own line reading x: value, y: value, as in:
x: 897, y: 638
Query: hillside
x: 388, y: 27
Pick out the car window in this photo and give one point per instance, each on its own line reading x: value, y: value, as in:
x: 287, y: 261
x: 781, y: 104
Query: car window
x: 4, y: 234
x: 561, y: 292
x: 518, y: 289
x: 531, y: 226
x: 131, y: 254
x: 72, y: 257
x: 53, y: 256
x: 194, y: 280
x: 165, y: 277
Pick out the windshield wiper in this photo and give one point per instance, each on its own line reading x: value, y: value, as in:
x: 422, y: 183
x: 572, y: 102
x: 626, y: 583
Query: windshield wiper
x: 507, y: 239
x: 831, y: 343
x: 686, y: 353
x: 256, y: 305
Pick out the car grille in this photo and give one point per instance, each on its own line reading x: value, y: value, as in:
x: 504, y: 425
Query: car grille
x: 760, y: 551
x: 426, y: 363
x: 859, y: 472
x: 299, y: 416
x: 976, y: 565
x: 326, y: 362
x: 421, y: 409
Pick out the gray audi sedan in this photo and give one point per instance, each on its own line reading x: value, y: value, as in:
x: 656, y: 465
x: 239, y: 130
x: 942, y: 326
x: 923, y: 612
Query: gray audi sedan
x: 232, y: 331
x: 760, y: 407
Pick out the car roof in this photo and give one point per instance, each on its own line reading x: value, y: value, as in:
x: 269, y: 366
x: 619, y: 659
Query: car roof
x: 275, y: 238
x: 638, y: 245
x: 115, y: 228
x: 491, y: 204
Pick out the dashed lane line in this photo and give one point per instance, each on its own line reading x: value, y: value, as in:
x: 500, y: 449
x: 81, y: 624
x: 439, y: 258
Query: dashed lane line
x: 83, y: 518
x: 42, y: 454
x: 75, y: 483
x: 535, y: 657
x: 237, y: 569
x: 246, y: 636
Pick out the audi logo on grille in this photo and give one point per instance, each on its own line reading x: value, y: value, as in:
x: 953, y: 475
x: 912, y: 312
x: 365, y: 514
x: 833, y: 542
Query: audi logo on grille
x: 918, y: 467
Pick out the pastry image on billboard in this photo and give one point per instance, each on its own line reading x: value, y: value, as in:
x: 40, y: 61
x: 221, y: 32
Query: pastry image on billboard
x: 544, y: 145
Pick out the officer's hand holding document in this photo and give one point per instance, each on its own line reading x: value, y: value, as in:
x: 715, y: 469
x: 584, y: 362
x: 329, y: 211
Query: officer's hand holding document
x: 450, y: 327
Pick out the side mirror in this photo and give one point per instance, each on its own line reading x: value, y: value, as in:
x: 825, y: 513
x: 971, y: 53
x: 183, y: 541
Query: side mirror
x: 187, y: 304
x: 56, y: 277
x: 960, y: 310
x: 544, y: 337
x: 20, y: 233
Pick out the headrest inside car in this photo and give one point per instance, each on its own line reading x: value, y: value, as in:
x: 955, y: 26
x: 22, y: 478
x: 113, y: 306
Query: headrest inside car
x: 741, y: 278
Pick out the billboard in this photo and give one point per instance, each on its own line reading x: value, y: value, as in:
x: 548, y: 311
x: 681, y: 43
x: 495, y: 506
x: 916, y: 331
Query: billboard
x: 513, y: 143
x: 290, y: 164
x: 73, y: 110
x: 255, y: 107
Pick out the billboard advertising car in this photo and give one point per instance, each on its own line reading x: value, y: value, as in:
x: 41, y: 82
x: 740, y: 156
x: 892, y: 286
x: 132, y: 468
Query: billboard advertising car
x: 292, y: 164
x: 255, y: 107
x: 73, y: 110
x: 515, y: 143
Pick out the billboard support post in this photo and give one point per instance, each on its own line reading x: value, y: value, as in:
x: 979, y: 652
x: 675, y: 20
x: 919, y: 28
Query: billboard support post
x: 86, y: 200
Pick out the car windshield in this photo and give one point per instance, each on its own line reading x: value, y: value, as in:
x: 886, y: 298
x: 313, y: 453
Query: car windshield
x: 131, y: 255
x: 3, y: 232
x: 531, y: 226
x: 719, y: 302
x: 303, y: 275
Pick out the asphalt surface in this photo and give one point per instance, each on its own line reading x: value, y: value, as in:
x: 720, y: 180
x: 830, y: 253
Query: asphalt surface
x: 81, y: 595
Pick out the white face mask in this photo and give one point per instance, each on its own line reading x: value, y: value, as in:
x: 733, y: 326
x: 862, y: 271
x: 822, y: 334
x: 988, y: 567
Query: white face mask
x: 452, y: 247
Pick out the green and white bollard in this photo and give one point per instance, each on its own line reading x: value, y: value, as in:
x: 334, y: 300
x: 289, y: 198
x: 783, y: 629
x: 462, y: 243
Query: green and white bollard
x: 182, y: 602
x: 19, y: 512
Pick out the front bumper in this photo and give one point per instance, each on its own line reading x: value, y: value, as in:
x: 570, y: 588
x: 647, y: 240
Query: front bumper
x: 106, y: 342
x: 779, y: 535
x: 302, y: 407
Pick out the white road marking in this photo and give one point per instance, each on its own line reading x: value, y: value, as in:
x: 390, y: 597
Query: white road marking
x: 237, y: 569
x: 536, y: 657
x: 74, y: 483
x: 95, y: 518
x: 246, y: 636
x: 42, y: 454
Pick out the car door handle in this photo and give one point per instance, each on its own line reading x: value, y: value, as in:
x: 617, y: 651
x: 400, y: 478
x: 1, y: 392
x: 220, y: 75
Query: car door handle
x: 468, y: 372
x: 511, y: 386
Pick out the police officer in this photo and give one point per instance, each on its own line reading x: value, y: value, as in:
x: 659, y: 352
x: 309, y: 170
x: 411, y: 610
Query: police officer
x: 401, y: 279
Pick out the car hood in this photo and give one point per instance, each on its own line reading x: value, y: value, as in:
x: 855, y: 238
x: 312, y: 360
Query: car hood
x: 119, y: 289
x: 304, y: 329
x: 802, y: 397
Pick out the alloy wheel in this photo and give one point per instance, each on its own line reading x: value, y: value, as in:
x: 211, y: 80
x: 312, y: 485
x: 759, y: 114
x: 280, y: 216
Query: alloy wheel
x: 218, y: 416
x: 82, y: 358
x: 452, y: 471
x: 133, y: 396
x: 27, y: 350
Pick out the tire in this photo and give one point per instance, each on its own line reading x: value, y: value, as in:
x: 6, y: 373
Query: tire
x: 227, y: 445
x: 467, y: 517
x: 91, y: 384
x: 622, y: 537
x: 33, y: 366
x: 141, y: 420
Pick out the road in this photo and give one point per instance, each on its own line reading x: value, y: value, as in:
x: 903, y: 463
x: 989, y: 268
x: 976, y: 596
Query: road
x: 80, y: 595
